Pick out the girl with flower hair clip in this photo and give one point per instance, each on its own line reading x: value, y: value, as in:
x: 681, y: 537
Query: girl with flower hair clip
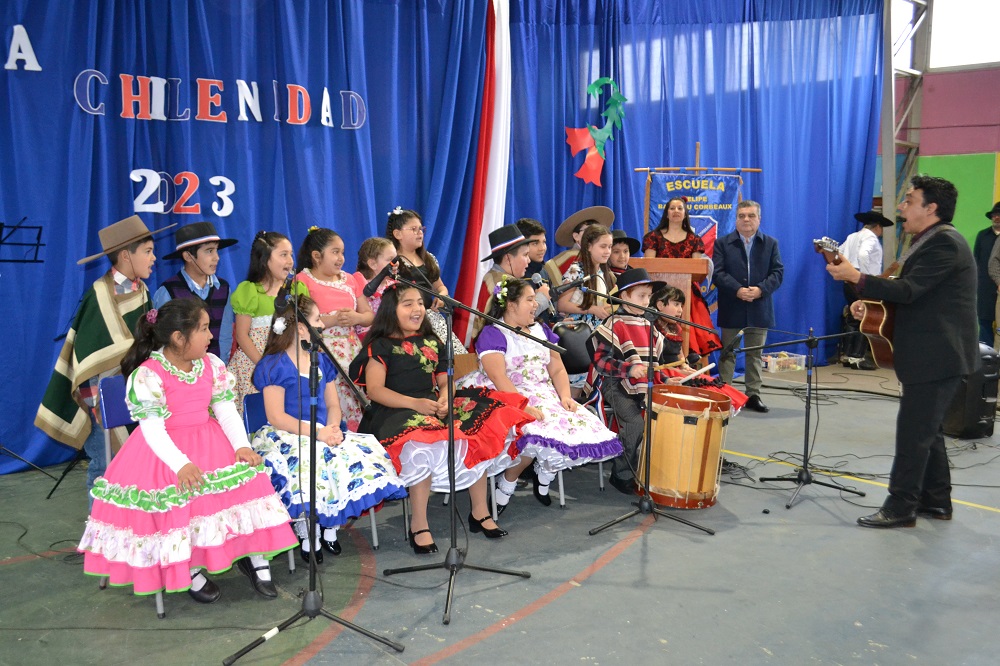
x: 185, y: 492
x: 342, y: 306
x: 562, y: 435
x: 400, y: 366
x: 353, y: 472
x: 253, y: 305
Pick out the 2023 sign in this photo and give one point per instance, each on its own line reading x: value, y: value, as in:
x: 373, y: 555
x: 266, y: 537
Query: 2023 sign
x: 163, y: 193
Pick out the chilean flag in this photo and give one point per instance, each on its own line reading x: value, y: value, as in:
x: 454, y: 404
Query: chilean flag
x: 489, y: 192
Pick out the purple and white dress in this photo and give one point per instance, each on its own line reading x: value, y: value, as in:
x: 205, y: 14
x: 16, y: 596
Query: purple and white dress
x: 563, y: 439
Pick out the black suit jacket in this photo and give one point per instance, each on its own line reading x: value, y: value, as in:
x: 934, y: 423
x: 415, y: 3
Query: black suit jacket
x: 937, y: 332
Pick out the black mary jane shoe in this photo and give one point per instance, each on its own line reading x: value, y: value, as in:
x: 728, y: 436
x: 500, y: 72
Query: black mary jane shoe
x: 309, y: 554
x: 209, y: 592
x: 882, y: 520
x: 332, y: 547
x: 422, y: 550
x: 545, y: 500
x: 501, y: 508
x: 264, y: 588
x: 476, y: 526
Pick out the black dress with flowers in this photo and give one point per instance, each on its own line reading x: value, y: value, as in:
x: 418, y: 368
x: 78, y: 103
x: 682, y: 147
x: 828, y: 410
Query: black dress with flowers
x: 486, y: 421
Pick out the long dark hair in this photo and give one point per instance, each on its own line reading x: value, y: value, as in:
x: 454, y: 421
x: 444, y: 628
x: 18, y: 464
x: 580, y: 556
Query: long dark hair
x: 316, y: 241
x: 515, y: 289
x: 260, y: 253
x: 180, y: 314
x: 278, y: 343
x: 396, y: 222
x: 590, y: 236
x: 665, y: 222
x: 386, y: 323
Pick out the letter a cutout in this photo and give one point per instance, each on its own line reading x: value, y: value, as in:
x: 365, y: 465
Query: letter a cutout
x: 20, y: 49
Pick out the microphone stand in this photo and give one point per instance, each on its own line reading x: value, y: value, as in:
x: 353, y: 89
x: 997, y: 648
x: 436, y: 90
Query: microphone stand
x: 803, y: 476
x: 312, y: 601
x: 645, y: 505
x: 454, y: 560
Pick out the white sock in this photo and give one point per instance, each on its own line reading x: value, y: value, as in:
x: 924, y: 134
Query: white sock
x: 544, y: 479
x: 300, y: 529
x: 259, y: 561
x: 505, y: 489
x: 197, y: 580
x: 330, y: 534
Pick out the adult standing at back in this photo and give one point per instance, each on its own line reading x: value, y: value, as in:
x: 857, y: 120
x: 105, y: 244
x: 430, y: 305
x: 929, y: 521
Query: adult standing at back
x: 934, y: 347
x: 987, y: 283
x: 748, y: 270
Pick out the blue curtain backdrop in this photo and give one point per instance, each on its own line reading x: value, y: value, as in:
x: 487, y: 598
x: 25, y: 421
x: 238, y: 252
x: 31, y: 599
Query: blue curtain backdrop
x: 416, y: 68
x: 790, y: 87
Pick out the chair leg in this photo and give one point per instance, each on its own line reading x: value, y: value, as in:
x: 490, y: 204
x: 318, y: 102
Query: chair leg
x: 406, y: 519
x: 562, y: 495
x: 600, y: 475
x: 160, y: 613
x: 291, y: 561
x: 371, y: 515
x: 491, y: 487
x: 103, y: 583
x: 447, y: 498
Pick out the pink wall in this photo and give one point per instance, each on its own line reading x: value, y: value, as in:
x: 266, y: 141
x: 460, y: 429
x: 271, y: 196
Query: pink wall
x: 961, y: 112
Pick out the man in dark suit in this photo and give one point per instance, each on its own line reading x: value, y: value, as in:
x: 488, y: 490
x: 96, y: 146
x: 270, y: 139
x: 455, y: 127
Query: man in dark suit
x: 935, y: 346
x: 748, y: 270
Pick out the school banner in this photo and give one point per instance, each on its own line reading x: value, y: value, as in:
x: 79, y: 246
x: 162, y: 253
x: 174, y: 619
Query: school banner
x: 711, y: 202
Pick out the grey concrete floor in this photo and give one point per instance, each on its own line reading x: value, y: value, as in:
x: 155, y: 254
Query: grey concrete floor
x: 772, y: 586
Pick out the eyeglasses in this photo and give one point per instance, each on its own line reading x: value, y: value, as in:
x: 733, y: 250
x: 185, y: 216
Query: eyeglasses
x: 416, y: 230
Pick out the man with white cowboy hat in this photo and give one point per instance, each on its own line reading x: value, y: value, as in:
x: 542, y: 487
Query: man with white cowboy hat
x: 97, y: 341
x: 509, y: 254
x: 568, y: 235
x: 198, y: 245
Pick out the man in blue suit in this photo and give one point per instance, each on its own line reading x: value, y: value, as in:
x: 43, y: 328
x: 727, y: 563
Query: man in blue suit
x: 748, y: 270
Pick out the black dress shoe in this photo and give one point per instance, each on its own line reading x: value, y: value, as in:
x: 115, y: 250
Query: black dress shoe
x: 422, y: 550
x: 757, y: 405
x: 501, y: 508
x: 881, y: 519
x: 333, y: 547
x: 625, y: 486
x: 935, y: 512
x: 209, y: 592
x: 307, y: 555
x: 476, y: 526
x: 545, y: 500
x: 264, y: 588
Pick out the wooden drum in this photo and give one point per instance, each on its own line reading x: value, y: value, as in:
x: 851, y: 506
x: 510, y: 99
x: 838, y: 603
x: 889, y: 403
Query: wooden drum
x: 688, y: 434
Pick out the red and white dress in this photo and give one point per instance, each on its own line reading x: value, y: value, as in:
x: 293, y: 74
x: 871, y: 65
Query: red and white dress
x: 146, y: 532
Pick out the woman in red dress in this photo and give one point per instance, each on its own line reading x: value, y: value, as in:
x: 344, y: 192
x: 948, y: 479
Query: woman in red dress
x: 673, y: 238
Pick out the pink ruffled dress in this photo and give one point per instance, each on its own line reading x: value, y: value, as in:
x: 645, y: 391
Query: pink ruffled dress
x: 143, y: 530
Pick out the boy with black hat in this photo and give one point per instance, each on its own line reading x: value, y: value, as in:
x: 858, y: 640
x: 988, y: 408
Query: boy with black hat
x: 198, y: 245
x: 863, y: 250
x: 509, y: 253
x: 97, y: 341
x: 621, y: 354
x: 623, y: 249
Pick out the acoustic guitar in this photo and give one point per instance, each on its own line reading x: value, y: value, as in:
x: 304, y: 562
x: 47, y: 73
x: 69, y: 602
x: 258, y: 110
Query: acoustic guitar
x: 878, y: 322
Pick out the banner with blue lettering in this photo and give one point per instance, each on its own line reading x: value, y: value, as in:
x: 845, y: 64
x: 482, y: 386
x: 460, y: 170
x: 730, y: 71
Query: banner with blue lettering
x: 252, y: 115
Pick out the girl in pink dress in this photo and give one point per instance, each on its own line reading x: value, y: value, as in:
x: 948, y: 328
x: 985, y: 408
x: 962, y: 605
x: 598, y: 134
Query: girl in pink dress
x: 186, y: 492
x: 342, y: 306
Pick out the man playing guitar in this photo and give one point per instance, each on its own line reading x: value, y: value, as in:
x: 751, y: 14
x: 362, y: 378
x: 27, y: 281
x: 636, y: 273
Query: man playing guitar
x: 935, y: 345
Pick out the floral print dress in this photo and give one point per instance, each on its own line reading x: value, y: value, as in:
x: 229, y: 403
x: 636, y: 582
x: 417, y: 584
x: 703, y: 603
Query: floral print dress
x: 486, y: 421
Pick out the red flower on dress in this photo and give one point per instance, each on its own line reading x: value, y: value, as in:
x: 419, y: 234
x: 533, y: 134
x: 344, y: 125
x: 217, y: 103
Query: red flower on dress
x: 429, y: 353
x: 408, y: 347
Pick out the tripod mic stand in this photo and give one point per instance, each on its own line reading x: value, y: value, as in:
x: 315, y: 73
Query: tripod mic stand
x: 645, y: 505
x: 803, y: 476
x: 312, y: 601
x: 454, y: 560
x: 5, y: 451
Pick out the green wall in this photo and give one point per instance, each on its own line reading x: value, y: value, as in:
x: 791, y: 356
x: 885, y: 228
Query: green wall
x: 975, y: 177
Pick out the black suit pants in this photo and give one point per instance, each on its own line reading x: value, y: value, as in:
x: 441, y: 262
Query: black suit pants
x: 920, y: 474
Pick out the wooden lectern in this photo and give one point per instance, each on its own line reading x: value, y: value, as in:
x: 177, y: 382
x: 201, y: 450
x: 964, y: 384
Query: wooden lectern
x: 677, y: 273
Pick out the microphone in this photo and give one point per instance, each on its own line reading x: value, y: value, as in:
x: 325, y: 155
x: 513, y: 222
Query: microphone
x: 555, y: 291
x: 731, y: 345
x: 538, y: 281
x: 283, y: 299
x: 390, y: 268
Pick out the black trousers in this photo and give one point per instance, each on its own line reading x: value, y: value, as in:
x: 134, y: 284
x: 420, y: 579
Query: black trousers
x: 920, y: 474
x: 631, y: 427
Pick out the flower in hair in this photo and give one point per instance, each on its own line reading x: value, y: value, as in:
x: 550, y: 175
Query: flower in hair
x: 151, y: 316
x: 395, y: 211
x: 313, y: 228
x: 500, y: 292
x: 279, y: 325
x: 260, y: 236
